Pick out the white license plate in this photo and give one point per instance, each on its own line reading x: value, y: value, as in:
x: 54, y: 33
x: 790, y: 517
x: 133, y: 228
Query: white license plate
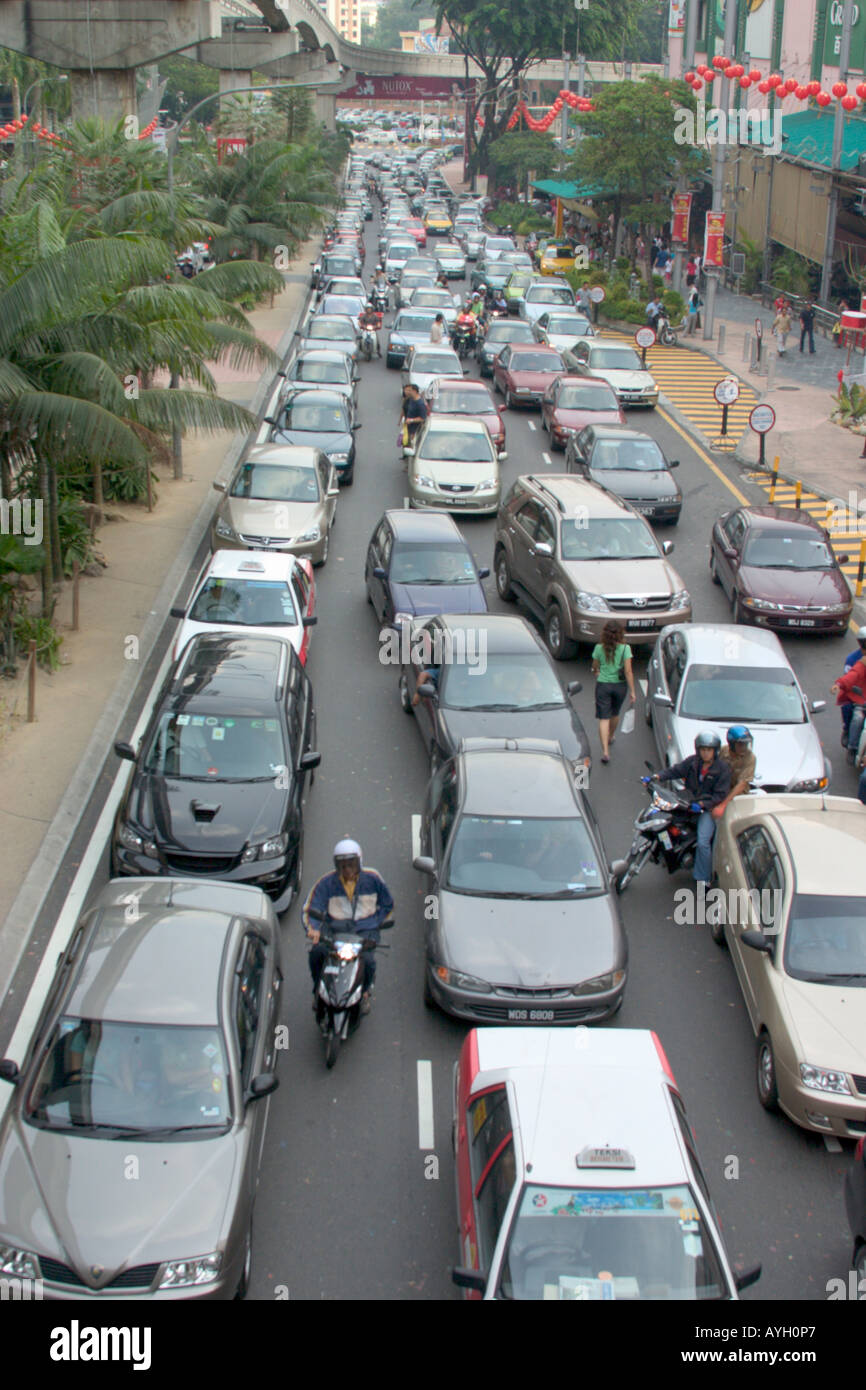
x: 801, y: 622
x: 636, y: 623
x: 665, y: 839
x: 331, y: 970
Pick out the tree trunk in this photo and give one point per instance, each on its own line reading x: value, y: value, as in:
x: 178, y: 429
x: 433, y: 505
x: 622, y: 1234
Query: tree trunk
x: 98, y: 495
x: 176, y: 445
x: 54, y: 522
x: 16, y: 98
x: 48, y: 567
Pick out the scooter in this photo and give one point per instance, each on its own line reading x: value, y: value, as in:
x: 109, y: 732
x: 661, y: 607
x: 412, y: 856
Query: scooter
x: 341, y: 983
x: 666, y: 831
x: 369, y: 341
x: 380, y: 300
x: 664, y: 333
x: 463, y: 341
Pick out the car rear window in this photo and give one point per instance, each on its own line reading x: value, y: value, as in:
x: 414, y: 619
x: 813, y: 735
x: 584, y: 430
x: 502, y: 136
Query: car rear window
x: 537, y: 362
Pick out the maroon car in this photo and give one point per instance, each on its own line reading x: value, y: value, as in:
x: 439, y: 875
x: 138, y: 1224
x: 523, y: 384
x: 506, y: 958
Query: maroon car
x: 523, y: 374
x: 777, y: 566
x: 570, y: 403
x: 470, y: 399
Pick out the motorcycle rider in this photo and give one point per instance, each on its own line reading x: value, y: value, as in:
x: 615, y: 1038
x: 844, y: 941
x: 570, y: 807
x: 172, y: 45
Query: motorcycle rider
x: 707, y: 778
x: 371, y: 319
x: 847, y: 705
x: 654, y: 310
x: 380, y: 284
x: 467, y: 323
x: 354, y: 895
x: 741, y: 760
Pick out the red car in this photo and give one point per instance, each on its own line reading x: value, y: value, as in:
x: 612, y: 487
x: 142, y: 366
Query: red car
x: 570, y: 403
x: 523, y: 374
x: 416, y: 228
x: 777, y: 566
x: 471, y: 400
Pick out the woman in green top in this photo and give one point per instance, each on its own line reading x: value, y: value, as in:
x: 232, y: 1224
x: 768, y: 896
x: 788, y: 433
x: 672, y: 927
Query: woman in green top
x: 611, y: 665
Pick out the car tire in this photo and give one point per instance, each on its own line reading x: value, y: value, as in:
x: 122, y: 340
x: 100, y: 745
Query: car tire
x: 405, y: 697
x: 648, y: 711
x: 717, y: 932
x: 503, y: 577
x: 349, y: 478
x: 244, y: 1282
x: 561, y: 648
x: 768, y: 1092
x: 325, y: 548
x: 508, y: 399
x: 858, y: 1260
x: 713, y: 571
x: 737, y: 614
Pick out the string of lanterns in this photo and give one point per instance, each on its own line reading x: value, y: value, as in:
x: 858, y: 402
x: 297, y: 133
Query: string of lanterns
x: 803, y: 91
x: 565, y: 98
x: 41, y: 132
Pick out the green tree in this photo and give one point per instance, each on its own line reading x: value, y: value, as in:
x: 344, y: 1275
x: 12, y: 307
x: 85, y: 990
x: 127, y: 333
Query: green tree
x: 393, y: 16
x: 188, y: 83
x: 518, y: 153
x: 295, y: 105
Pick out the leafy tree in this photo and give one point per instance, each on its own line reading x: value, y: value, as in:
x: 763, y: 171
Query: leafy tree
x: 516, y: 154
x: 393, y: 16
x: 188, y: 83
x: 295, y: 105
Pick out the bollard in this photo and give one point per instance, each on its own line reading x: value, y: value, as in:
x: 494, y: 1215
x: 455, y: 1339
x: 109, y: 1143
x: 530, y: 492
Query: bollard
x: 858, y: 590
x: 31, y: 684
x: 775, y: 479
x: 747, y: 347
x: 798, y: 492
x: 721, y: 337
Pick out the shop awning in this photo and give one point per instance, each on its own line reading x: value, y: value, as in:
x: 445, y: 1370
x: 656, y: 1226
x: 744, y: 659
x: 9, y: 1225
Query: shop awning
x: 807, y: 136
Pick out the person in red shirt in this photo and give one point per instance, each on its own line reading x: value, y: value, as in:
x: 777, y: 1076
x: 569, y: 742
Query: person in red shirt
x: 851, y: 689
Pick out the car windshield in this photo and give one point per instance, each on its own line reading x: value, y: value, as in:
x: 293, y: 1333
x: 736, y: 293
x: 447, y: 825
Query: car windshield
x: 246, y: 602
x: 432, y: 564
x: 338, y: 266
x: 269, y: 482
x: 505, y: 681
x: 631, y: 455
x: 608, y: 538
x: 536, y: 362
x: 568, y: 325
x: 442, y: 363
x: 413, y: 323
x: 559, y: 253
x: 342, y: 304
x: 463, y: 402
x: 590, y: 398
x: 99, y: 1076
x: 550, y: 294
x: 519, y: 857
x: 826, y: 940
x: 310, y: 415
x: 770, y: 550
x: 334, y: 332
x: 216, y: 748
x: 308, y: 369
x: 624, y: 1243
x: 415, y: 280
x: 462, y: 446
x: 430, y: 299
x: 742, y: 695
x: 508, y: 333
x: 622, y: 359
x: 499, y: 243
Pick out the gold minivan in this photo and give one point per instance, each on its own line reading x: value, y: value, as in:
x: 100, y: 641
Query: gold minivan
x: 281, y: 497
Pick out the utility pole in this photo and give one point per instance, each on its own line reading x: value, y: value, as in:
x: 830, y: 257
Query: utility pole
x: 836, y: 160
x: 689, y: 43
x: 563, y: 129
x: 690, y: 36
x: 713, y: 275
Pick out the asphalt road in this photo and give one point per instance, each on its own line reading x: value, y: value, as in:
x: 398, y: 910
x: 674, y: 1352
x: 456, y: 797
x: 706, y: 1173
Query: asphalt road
x: 349, y: 1205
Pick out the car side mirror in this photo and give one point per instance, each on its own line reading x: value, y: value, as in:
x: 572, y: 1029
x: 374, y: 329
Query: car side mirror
x: 357, y: 425
x: 574, y: 687
x: 269, y: 420
x: 309, y: 761
x: 263, y: 1085
x: 469, y: 1279
x: 379, y: 573
x: 842, y: 559
x: 218, y: 487
x: 743, y: 1279
x: 543, y: 548
x: 125, y: 750
x: 617, y: 867
x: 674, y: 463
x: 9, y: 1071
x: 424, y: 864
x: 816, y: 706
x: 758, y: 941
x: 309, y: 621
x: 667, y: 547
x: 177, y: 612
x: 333, y: 492
x: 484, y: 573
x: 663, y: 701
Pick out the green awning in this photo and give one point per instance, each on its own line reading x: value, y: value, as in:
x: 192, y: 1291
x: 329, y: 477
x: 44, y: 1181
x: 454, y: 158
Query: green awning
x: 553, y: 189
x: 808, y: 136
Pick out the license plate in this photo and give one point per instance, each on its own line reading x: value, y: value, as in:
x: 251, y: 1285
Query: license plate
x: 331, y: 970
x: 801, y: 622
x: 665, y: 839
x: 530, y: 1015
x: 637, y: 623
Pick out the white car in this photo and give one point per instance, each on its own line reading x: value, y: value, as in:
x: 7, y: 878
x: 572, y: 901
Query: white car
x: 619, y: 365
x: 266, y: 594
x: 562, y: 330
x: 578, y: 1178
x: 446, y: 304
x: 543, y: 297
x: 427, y: 362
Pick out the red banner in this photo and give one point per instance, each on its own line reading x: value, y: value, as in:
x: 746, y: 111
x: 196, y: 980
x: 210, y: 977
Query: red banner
x: 229, y: 144
x: 402, y: 89
x: 682, y: 207
x: 714, y: 240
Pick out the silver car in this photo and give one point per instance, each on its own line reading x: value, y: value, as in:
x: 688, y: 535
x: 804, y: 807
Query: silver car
x: 281, y: 497
x: 428, y: 361
x: 702, y: 678
x: 156, y: 1048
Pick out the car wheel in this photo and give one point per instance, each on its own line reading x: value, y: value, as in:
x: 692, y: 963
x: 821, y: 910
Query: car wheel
x: 244, y: 1282
x: 405, y: 697
x: 713, y: 571
x: 508, y: 399
x: 503, y: 578
x: 299, y: 863
x: 323, y: 559
x: 717, y: 930
x: 768, y: 1093
x: 737, y: 614
x: 648, y: 711
x: 560, y: 646
x: 349, y: 478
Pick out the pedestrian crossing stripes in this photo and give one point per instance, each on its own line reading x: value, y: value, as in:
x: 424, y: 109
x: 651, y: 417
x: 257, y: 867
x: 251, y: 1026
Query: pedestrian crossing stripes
x: 846, y: 529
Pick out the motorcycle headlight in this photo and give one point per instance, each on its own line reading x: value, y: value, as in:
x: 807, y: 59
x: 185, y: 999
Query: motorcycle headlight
x: 591, y: 603
x: 458, y: 980
x: 19, y: 1263
x: 811, y: 784
x: 601, y: 984
x: 182, y: 1274
x: 225, y: 530
x: 824, y: 1079
x: 681, y: 599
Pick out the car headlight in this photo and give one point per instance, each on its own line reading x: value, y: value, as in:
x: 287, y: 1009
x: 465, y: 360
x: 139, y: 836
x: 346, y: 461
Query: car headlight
x: 760, y: 603
x: 811, y: 784
x: 591, y: 603
x: 522, y: 391
x: 458, y: 980
x: 225, y: 530
x: 422, y: 480
x: 400, y: 618
x: 601, y: 984
x: 19, y: 1263
x: 824, y: 1079
x: 488, y: 485
x: 313, y: 534
x: 681, y: 599
x: 183, y: 1274
x: 338, y: 458
x: 130, y: 839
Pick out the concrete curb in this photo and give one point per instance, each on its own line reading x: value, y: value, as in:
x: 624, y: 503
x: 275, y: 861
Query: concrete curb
x: 24, y: 913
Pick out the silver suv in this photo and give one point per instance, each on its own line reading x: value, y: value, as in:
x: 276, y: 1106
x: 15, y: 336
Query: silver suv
x: 578, y: 557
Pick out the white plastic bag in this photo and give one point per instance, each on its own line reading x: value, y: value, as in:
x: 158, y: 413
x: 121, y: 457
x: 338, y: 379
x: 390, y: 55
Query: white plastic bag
x: 626, y: 725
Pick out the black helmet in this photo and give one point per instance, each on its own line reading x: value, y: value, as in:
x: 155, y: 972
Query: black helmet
x: 708, y: 740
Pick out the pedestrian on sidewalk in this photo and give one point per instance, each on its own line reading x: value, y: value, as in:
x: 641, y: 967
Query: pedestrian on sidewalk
x: 694, y: 304
x: 611, y: 665
x: 781, y: 328
x: 691, y: 272
x: 807, y: 325
x: 837, y: 326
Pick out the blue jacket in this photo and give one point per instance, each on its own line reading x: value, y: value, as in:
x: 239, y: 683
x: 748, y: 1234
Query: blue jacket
x: 369, y: 908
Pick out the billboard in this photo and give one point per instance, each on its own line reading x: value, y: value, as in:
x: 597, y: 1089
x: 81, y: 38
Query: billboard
x: 429, y: 43
x: 402, y: 89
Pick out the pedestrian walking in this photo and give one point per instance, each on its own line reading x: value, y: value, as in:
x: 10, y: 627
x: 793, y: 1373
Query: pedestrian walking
x: 691, y: 272
x: 837, y: 326
x: 807, y: 325
x: 694, y: 304
x: 781, y: 327
x: 437, y: 329
x: 612, y: 668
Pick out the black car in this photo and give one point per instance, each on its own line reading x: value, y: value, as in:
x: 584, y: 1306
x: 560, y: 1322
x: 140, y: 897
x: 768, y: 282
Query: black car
x: 323, y: 419
x: 499, y: 334
x: 219, y: 776
x: 418, y: 564
x: 490, y: 677
x: 855, y: 1205
x: 335, y: 263
x: 629, y: 464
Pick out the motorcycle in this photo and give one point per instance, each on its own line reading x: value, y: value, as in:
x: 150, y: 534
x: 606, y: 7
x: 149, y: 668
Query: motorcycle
x: 463, y: 341
x: 380, y: 299
x: 666, y: 831
x: 369, y: 342
x: 664, y: 333
x: 341, y: 983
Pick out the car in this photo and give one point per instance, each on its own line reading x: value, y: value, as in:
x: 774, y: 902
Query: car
x: 472, y: 239
x: 428, y: 264
x: 619, y: 365
x: 524, y: 926
x: 570, y: 403
x: 343, y: 284
x: 333, y: 332
x: 217, y: 785
x: 418, y: 563
x: 489, y: 275
x: 790, y: 870
x: 157, y: 1039
x: 325, y: 420
x: 578, y: 1176
x: 778, y: 568
x: 630, y: 464
x: 471, y: 400
x: 429, y: 297
x: 266, y: 595
x: 426, y: 362
x: 415, y: 226
x: 280, y: 497
x: 332, y: 263
x: 344, y: 305
x: 437, y: 222
x: 397, y: 253
x: 516, y: 286
x: 562, y: 330
x: 500, y: 332
x: 578, y: 557
x: 523, y: 374
x: 556, y: 258
x: 705, y: 677
x: 454, y: 465
x: 409, y: 282
x: 452, y: 260
x: 541, y: 297
x: 495, y: 680
x: 855, y: 1205
x: 321, y: 367
x: 410, y: 328
x: 493, y: 246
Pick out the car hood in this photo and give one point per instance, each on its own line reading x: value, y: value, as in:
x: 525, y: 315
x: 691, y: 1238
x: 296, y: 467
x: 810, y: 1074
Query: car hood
x: 579, y: 419
x: 340, y: 388
x: 455, y: 470
x: 530, y: 944
x: 783, y: 752
x: 624, y: 378
x: 812, y: 588
x: 561, y: 725
x: 253, y: 516
x: 493, y: 420
x: 624, y: 578
x: 329, y: 441
x: 166, y: 807
x: 70, y: 1199
x: 828, y: 1023
x: 533, y: 381
x: 410, y: 339
x: 420, y: 599
x: 634, y: 482
x: 563, y: 341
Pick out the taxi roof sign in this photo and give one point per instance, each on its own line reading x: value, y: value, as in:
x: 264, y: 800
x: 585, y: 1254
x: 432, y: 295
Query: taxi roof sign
x: 591, y: 1157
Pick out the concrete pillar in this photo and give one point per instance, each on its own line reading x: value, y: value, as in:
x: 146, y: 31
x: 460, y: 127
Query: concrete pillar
x: 108, y: 93
x: 231, y: 79
x: 325, y: 109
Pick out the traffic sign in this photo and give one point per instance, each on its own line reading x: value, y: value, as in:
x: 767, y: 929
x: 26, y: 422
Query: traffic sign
x: 596, y: 294
x: 762, y: 419
x: 727, y: 390
x: 759, y: 329
x: 645, y: 337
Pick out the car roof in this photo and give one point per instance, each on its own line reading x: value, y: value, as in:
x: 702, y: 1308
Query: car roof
x: 462, y: 383
x: 423, y: 526
x: 238, y: 673
x: 289, y: 455
x: 245, y: 564
x: 322, y: 354
x: 543, y: 348
x: 572, y: 492
x: 455, y: 424
x: 579, y: 1088
x: 754, y: 646
x: 316, y: 397
x: 619, y: 432
x: 825, y: 835
x: 342, y: 319
x: 785, y: 518
x: 516, y: 777
x: 504, y: 632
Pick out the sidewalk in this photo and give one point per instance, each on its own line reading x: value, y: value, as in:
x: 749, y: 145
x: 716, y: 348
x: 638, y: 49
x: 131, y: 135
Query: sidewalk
x: 48, y: 768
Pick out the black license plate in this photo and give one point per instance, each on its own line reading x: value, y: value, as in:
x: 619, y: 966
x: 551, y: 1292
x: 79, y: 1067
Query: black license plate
x: 637, y: 624
x: 530, y: 1015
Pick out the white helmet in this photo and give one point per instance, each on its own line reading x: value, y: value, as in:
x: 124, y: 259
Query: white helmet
x: 347, y: 849
x: 861, y: 634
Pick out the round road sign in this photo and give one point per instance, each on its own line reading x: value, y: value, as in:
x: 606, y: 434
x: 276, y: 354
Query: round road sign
x: 645, y: 337
x: 596, y: 294
x: 759, y: 329
x: 727, y: 390
x: 762, y: 419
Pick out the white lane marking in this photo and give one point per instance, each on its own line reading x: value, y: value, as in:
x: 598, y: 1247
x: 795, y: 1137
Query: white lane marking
x: 547, y: 458
x: 831, y: 1144
x: 531, y: 424
x: 425, y: 1106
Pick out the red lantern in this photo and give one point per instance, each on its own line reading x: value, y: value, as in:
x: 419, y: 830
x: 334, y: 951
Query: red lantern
x: 860, y: 89
x: 718, y: 61
x: 764, y: 87
x: 813, y: 88
x: 849, y: 102
x: 690, y: 76
x: 697, y: 85
x: 745, y: 82
x: 791, y: 85
x: 823, y: 98
x: 25, y: 118
x: 801, y: 93
x: 756, y: 74
x: 735, y: 70
x: 710, y: 77
x: 839, y: 89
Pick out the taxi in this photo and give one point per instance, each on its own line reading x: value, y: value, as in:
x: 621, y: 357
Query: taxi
x: 556, y: 258
x: 437, y: 222
x: 577, y: 1172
